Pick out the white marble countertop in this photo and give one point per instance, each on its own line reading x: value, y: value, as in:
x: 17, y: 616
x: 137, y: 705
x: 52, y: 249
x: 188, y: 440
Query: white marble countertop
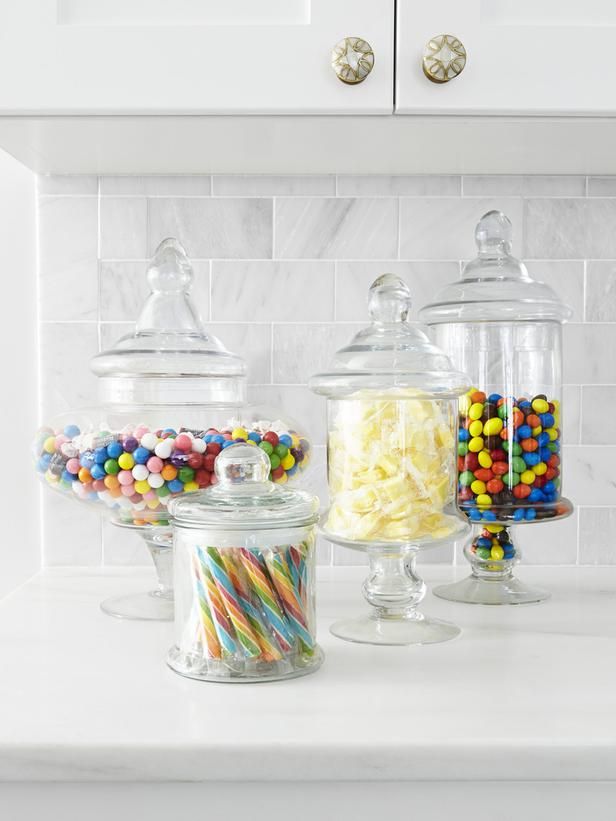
x: 526, y: 693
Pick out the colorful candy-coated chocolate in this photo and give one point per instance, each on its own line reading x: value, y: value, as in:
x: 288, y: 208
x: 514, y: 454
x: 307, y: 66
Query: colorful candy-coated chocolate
x: 508, y: 463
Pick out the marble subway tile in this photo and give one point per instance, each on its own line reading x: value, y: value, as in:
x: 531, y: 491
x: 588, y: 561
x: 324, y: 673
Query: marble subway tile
x: 266, y: 291
x: 66, y: 379
x: 596, y: 429
x: 110, y: 332
x: 588, y: 354
x: 602, y: 186
x: 378, y: 185
x: 567, y: 280
x: 302, y: 350
x: 353, y: 279
x: 600, y: 291
x: 588, y: 475
x: 123, y: 289
x: 552, y: 543
x: 220, y: 228
x: 252, y: 342
x: 303, y: 406
x: 71, y: 532
x: 157, y: 186
x: 520, y: 185
x: 571, y: 413
x: 570, y: 228
x: 123, y: 227
x: 330, y: 228
x: 75, y: 185
x: 257, y: 185
x: 68, y: 239
x: 597, y: 528
x: 433, y: 228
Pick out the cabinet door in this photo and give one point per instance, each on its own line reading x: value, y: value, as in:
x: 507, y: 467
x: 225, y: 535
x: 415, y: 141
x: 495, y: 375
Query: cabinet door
x: 190, y: 56
x: 535, y: 57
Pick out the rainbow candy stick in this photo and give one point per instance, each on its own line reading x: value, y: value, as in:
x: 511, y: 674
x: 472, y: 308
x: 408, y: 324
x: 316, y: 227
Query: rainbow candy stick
x: 281, y: 575
x: 243, y: 630
x: 207, y: 623
x: 224, y: 630
x: 241, y: 584
x: 269, y: 600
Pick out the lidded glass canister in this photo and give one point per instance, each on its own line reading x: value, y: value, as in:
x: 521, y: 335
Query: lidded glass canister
x: 504, y: 329
x: 392, y: 422
x: 244, y: 571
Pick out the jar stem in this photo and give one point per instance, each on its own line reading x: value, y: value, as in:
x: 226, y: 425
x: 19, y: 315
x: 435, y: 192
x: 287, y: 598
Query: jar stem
x: 393, y: 586
x: 160, y: 547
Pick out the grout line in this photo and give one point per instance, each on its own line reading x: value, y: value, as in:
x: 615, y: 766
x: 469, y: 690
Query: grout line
x: 584, y: 291
x: 271, y: 353
x: 273, y: 228
x: 210, y: 287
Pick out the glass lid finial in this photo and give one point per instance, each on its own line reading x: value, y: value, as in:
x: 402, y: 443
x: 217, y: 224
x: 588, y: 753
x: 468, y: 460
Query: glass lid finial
x: 242, y: 464
x: 389, y: 299
x: 493, y: 234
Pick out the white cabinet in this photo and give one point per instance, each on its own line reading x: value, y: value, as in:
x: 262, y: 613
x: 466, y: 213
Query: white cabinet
x: 190, y: 56
x: 529, y: 57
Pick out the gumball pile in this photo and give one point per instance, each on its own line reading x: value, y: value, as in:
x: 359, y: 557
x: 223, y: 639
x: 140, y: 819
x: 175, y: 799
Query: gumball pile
x: 508, y: 457
x: 493, y: 544
x: 137, y: 471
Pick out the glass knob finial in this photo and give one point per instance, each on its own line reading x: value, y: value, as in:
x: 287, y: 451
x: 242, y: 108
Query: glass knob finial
x: 389, y: 299
x: 240, y: 463
x: 170, y: 270
x: 493, y: 234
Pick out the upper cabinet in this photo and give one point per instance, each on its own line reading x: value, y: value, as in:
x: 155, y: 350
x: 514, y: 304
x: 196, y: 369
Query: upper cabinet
x: 139, y: 57
x: 527, y: 57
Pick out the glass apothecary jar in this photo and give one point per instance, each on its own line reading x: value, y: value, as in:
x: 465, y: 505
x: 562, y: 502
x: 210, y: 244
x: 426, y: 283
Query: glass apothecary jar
x: 392, y: 420
x: 244, y: 576
x: 171, y: 399
x: 504, y: 329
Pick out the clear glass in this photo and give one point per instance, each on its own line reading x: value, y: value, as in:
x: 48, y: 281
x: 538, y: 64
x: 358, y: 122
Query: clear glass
x: 392, y: 424
x: 244, y: 568
x: 504, y: 330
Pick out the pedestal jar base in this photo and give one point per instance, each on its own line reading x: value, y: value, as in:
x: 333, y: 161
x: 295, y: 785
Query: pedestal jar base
x: 473, y: 590
x: 414, y: 629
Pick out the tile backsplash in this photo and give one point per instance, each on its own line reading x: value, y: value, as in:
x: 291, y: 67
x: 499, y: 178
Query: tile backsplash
x: 282, y: 265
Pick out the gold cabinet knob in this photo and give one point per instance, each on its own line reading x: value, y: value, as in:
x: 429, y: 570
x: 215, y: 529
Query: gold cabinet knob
x: 444, y: 58
x: 352, y: 60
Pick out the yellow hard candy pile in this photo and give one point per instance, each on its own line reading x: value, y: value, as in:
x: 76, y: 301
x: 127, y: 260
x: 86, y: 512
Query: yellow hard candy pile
x: 391, y: 470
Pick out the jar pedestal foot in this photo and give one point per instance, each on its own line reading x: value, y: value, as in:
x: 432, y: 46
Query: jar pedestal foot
x: 153, y: 605
x: 394, y: 590
x: 492, y: 580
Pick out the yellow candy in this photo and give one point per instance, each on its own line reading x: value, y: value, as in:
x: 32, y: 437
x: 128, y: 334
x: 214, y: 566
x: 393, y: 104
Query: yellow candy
x: 288, y: 461
x: 142, y: 486
x: 153, y: 503
x: 476, y: 410
x: 238, y: 433
x: 478, y: 487
x: 537, y: 430
x: 190, y: 487
x: 527, y: 477
x: 50, y: 444
x: 476, y: 444
x: 540, y: 468
x: 464, y: 404
x: 493, y: 426
x: 552, y: 433
x: 494, y: 528
x: 540, y: 406
x: 483, y: 500
x: 475, y: 428
x: 281, y: 479
x: 485, y: 460
x: 126, y: 461
x: 496, y: 552
x: 294, y: 440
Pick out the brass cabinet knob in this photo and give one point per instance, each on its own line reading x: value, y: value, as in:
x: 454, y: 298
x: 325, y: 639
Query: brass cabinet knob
x: 444, y: 58
x: 352, y: 60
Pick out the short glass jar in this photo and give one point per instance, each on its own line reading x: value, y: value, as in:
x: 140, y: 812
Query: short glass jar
x: 392, y: 420
x: 504, y: 329
x: 244, y: 567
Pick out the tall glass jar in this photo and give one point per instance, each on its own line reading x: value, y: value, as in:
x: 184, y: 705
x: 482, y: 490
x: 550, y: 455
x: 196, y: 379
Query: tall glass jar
x: 504, y: 329
x: 244, y: 576
x: 392, y: 419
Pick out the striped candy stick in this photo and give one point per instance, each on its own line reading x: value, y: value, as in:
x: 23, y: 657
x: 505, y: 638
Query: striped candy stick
x: 245, y: 633
x: 241, y: 583
x: 297, y: 566
x: 206, y: 622
x: 281, y: 576
x: 268, y: 598
x: 223, y: 628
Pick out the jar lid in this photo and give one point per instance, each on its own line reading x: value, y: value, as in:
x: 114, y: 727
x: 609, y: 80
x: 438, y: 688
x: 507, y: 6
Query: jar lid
x: 170, y: 357
x: 392, y: 354
x: 243, y: 498
x: 495, y: 286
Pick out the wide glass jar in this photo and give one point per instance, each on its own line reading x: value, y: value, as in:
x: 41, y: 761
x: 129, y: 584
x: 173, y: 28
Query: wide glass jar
x: 171, y: 399
x: 392, y: 422
x: 244, y: 576
x: 504, y: 329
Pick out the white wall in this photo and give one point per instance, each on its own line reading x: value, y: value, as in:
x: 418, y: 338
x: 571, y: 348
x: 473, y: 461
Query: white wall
x: 20, y: 551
